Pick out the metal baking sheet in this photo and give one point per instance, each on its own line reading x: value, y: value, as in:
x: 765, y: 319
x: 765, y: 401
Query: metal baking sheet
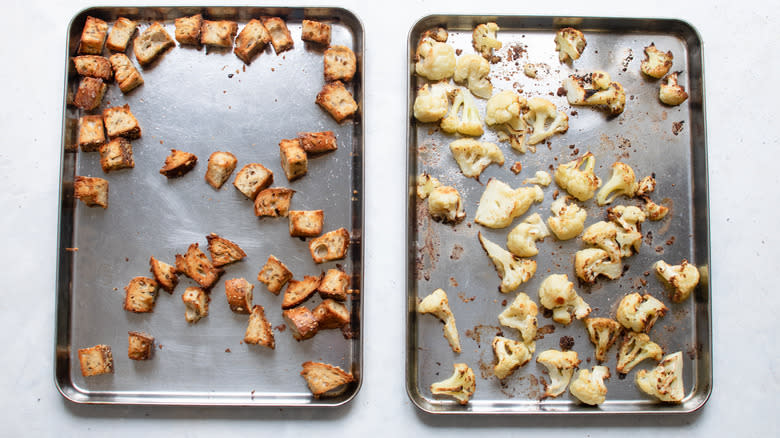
x: 204, y: 100
x: 669, y: 142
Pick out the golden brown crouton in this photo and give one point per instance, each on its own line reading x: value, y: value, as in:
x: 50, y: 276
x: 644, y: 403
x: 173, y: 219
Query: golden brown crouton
x: 116, y: 154
x: 321, y: 377
x: 318, y: 142
x: 90, y: 93
x: 120, y: 122
x: 197, y: 266
x: 301, y: 322
x: 239, y: 294
x: 337, y: 101
x: 299, y: 291
x: 294, y: 161
x: 306, y: 223
x: 127, y: 76
x: 220, y: 166
x: 196, y: 304
x: 331, y: 315
x: 164, y: 274
x: 188, y: 29
x: 91, y: 191
x: 218, y: 33
x: 316, y: 32
x: 339, y: 64
x: 330, y: 246
x: 258, y: 330
x: 93, y: 66
x: 91, y: 133
x: 93, y: 36
x: 96, y: 360
x: 178, y: 163
x: 251, y: 40
x: 140, y: 295
x: 274, y: 275
x: 273, y: 202
x: 334, y: 285
x: 280, y: 36
x: 139, y: 346
x: 223, y: 251
x: 252, y: 178
x: 152, y: 43
x: 121, y: 33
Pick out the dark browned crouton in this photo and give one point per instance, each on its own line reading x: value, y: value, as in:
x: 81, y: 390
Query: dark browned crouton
x: 239, y: 294
x: 331, y: 315
x: 197, y: 266
x: 299, y: 291
x: 334, y: 285
x: 223, y: 251
x: 120, y: 122
x: 90, y: 93
x: 96, y: 360
x: 91, y: 191
x: 274, y: 275
x: 164, y: 274
x: 318, y: 142
x: 139, y: 346
x: 273, y: 202
x: 178, y: 163
x: 140, y: 295
x: 116, y: 154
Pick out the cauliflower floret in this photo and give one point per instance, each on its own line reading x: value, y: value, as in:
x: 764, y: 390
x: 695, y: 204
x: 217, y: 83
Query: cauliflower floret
x: 578, y: 181
x: 469, y: 122
x: 603, y: 333
x: 511, y: 355
x: 500, y: 204
x: 431, y: 102
x: 622, y: 181
x: 629, y: 218
x: 512, y: 270
x: 544, y: 120
x: 540, y: 177
x: 474, y: 70
x: 504, y: 110
x: 439, y: 34
x: 639, y: 313
x: 438, y: 305
x: 560, y: 366
x: 683, y: 278
x: 604, y: 235
x: 655, y: 212
x: 646, y: 186
x: 665, y: 381
x: 435, y: 60
x: 484, y: 39
x: 595, y: 89
x: 530, y: 70
x: 461, y: 385
x: 557, y: 294
x: 570, y: 43
x: 521, y: 315
x: 426, y: 184
x: 568, y: 220
x: 589, y: 263
x: 657, y: 63
x: 521, y: 241
x: 635, y: 348
x: 589, y: 386
x: 474, y: 156
x: 444, y: 204
x: 671, y: 92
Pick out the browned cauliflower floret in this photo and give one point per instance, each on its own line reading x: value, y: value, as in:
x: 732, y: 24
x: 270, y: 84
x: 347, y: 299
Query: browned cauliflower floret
x: 646, y: 186
x: 655, y: 212
x: 504, y: 110
x: 568, y: 220
x: 512, y: 270
x: 474, y: 156
x: 622, y: 181
x: 557, y: 294
x: 432, y: 102
x: 439, y: 34
x: 683, y: 278
x: 500, y: 204
x: 540, y: 177
x: 635, y: 348
x: 560, y: 366
x: 570, y: 43
x: 665, y: 382
x: 603, y: 333
x: 589, y: 263
x: 589, y: 386
x: 595, y: 88
x: 438, y: 305
x: 657, y: 63
x: 461, y: 385
x: 581, y: 182
x: 426, y: 184
x: 469, y: 122
x: 672, y: 93
x: 628, y: 219
x: 604, y: 235
x: 521, y: 241
x: 445, y: 205
x: 521, y: 315
x: 474, y: 71
x: 544, y: 120
x: 484, y: 39
x: 639, y: 313
x: 435, y: 60
x: 510, y: 355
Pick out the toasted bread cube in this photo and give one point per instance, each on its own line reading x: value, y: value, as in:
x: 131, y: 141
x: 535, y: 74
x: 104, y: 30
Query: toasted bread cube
x: 334, y: 285
x: 93, y: 36
x: 223, y: 251
x: 93, y: 66
x: 218, y: 33
x: 139, y: 346
x: 197, y: 266
x: 220, y: 166
x: 258, y: 330
x: 316, y: 32
x: 251, y: 40
x: 116, y: 154
x: 127, y: 76
x: 339, y: 64
x: 152, y: 43
x: 273, y: 202
x: 91, y: 191
x: 239, y: 294
x: 321, y: 377
x: 188, y: 29
x: 178, y: 163
x: 301, y: 322
x: 306, y: 223
x: 196, y: 304
x: 330, y: 246
x: 90, y: 93
x: 91, y: 133
x: 294, y: 162
x: 280, y: 35
x: 164, y: 274
x: 253, y: 178
x: 140, y: 295
x: 274, y: 275
x: 331, y: 315
x: 318, y: 142
x: 337, y: 101
x: 96, y: 360
x: 120, y: 122
x: 299, y: 291
x: 120, y: 35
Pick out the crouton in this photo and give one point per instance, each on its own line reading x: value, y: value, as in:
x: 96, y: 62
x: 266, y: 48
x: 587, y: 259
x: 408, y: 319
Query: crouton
x: 223, y: 251
x: 274, y: 275
x: 93, y: 66
x: 116, y: 154
x: 139, y: 346
x: 339, y: 64
x: 152, y: 43
x: 91, y: 191
x: 196, y: 304
x: 294, y: 161
x: 258, y: 331
x: 140, y: 295
x: 273, y: 202
x: 91, y: 133
x: 301, y: 322
x: 127, y: 76
x: 305, y: 223
x: 178, y: 163
x: 337, y: 101
x: 299, y: 291
x: 321, y: 377
x: 120, y: 122
x: 239, y: 294
x: 90, y: 93
x: 220, y: 166
x: 280, y: 36
x: 188, y: 29
x: 197, y: 266
x: 96, y: 360
x: 316, y: 32
x: 164, y: 274
x: 218, y: 33
x: 251, y: 40
x: 334, y: 285
x: 120, y: 34
x: 331, y: 315
x: 93, y: 36
x: 253, y: 178
x: 317, y: 142
x: 330, y: 246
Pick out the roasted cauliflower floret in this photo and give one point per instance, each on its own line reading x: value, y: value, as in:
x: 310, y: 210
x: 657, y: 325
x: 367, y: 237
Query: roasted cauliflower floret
x: 646, y: 186
x: 504, y: 110
x: 557, y: 294
x: 435, y: 59
x: 560, y: 366
x: 672, y: 93
x: 521, y: 315
x: 474, y: 156
x: 474, y: 71
x: 622, y: 181
x: 629, y: 219
x: 639, y: 312
x: 655, y: 212
x: 432, y: 102
x: 438, y: 305
x: 461, y: 385
x: 604, y: 235
x: 521, y: 241
x: 510, y: 354
x: 484, y: 39
x: 568, y: 220
x: 603, y: 333
x: 540, y: 177
x: 635, y: 348
x: 589, y: 386
x: 581, y: 182
x: 657, y: 63
x: 500, y: 204
x: 439, y: 34
x: 444, y: 204
x: 544, y: 120
x: 570, y: 43
x: 665, y: 382
x: 594, y: 89
x: 683, y: 278
x: 589, y: 263
x: 469, y: 122
x: 530, y: 70
x: 512, y: 270
x: 425, y: 185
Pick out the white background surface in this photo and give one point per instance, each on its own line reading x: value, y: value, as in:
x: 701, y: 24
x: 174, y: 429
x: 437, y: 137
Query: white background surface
x: 741, y: 67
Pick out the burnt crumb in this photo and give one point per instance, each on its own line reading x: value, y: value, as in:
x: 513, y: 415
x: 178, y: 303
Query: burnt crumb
x: 127, y: 259
x: 466, y: 299
x: 348, y: 333
x: 160, y: 346
x: 495, y: 59
x: 575, y: 152
x: 571, y: 146
x: 551, y: 93
x: 544, y: 330
x: 587, y: 359
x: 547, y: 313
x: 515, y: 52
x: 438, y: 363
x: 691, y: 353
x: 566, y: 343
x: 670, y: 242
x: 227, y: 350
x: 621, y: 376
x: 659, y: 249
x: 643, y: 281
x: 677, y: 127
x: 555, y: 194
x: 503, y: 303
x: 646, y: 273
x: 627, y: 60
x: 561, y: 91
x: 230, y: 76
x: 551, y: 167
x: 458, y: 51
x: 453, y: 282
x: 280, y: 328
x: 649, y: 238
x: 457, y: 251
x: 574, y: 112
x: 516, y: 168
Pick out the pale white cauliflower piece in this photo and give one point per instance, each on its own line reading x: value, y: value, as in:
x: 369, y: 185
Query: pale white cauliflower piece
x: 622, y: 181
x: 604, y: 235
x: 445, y: 205
x: 589, y: 386
x: 530, y: 70
x: 512, y: 270
x: 435, y: 59
x: 595, y: 89
x: 461, y: 385
x: 557, y: 294
x: 438, y: 305
x: 655, y: 212
x: 560, y: 366
x: 484, y: 39
x: 603, y: 333
x: 504, y: 110
x: 635, y: 348
x: 639, y: 313
x: 474, y: 71
x: 500, y: 204
x: 540, y: 177
x: 469, y: 122
x: 510, y: 354
x: 568, y: 220
x: 657, y: 63
x: 521, y: 241
x: 432, y: 102
x: 683, y: 278
x: 581, y: 182
x: 521, y: 315
x: 570, y: 43
x: 665, y: 382
x: 425, y: 185
x: 474, y: 156
x: 589, y: 263
x: 544, y: 120
x: 672, y: 93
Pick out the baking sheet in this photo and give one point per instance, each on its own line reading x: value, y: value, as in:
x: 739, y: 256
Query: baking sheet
x: 669, y: 142
x: 204, y: 100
